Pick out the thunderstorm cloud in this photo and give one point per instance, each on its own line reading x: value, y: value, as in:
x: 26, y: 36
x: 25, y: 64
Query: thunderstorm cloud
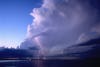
x: 59, y: 24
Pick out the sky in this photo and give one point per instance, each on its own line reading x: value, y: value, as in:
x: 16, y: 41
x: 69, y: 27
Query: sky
x: 14, y: 18
x: 52, y: 26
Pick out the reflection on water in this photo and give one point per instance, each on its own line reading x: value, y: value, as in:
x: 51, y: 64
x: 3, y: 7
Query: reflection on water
x: 49, y: 63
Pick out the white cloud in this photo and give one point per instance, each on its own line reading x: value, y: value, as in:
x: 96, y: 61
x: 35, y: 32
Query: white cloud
x: 9, y: 43
x: 59, y: 22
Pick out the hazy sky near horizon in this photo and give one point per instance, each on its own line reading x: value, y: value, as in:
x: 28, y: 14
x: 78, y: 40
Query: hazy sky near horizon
x: 14, y: 18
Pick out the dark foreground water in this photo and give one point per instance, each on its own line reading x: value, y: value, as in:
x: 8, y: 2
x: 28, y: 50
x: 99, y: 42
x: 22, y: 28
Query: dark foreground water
x: 50, y: 63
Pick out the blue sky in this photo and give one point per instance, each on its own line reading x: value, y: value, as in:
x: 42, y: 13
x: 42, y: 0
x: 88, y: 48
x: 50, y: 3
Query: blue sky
x: 14, y: 18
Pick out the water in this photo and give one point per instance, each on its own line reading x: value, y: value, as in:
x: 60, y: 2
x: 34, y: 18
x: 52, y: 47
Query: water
x: 49, y: 63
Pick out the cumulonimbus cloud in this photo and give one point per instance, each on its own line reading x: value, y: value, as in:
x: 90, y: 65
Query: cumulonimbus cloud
x: 58, y: 24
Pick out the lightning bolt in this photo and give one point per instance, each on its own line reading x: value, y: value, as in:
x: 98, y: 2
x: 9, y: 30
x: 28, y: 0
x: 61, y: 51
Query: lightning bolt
x: 37, y: 40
